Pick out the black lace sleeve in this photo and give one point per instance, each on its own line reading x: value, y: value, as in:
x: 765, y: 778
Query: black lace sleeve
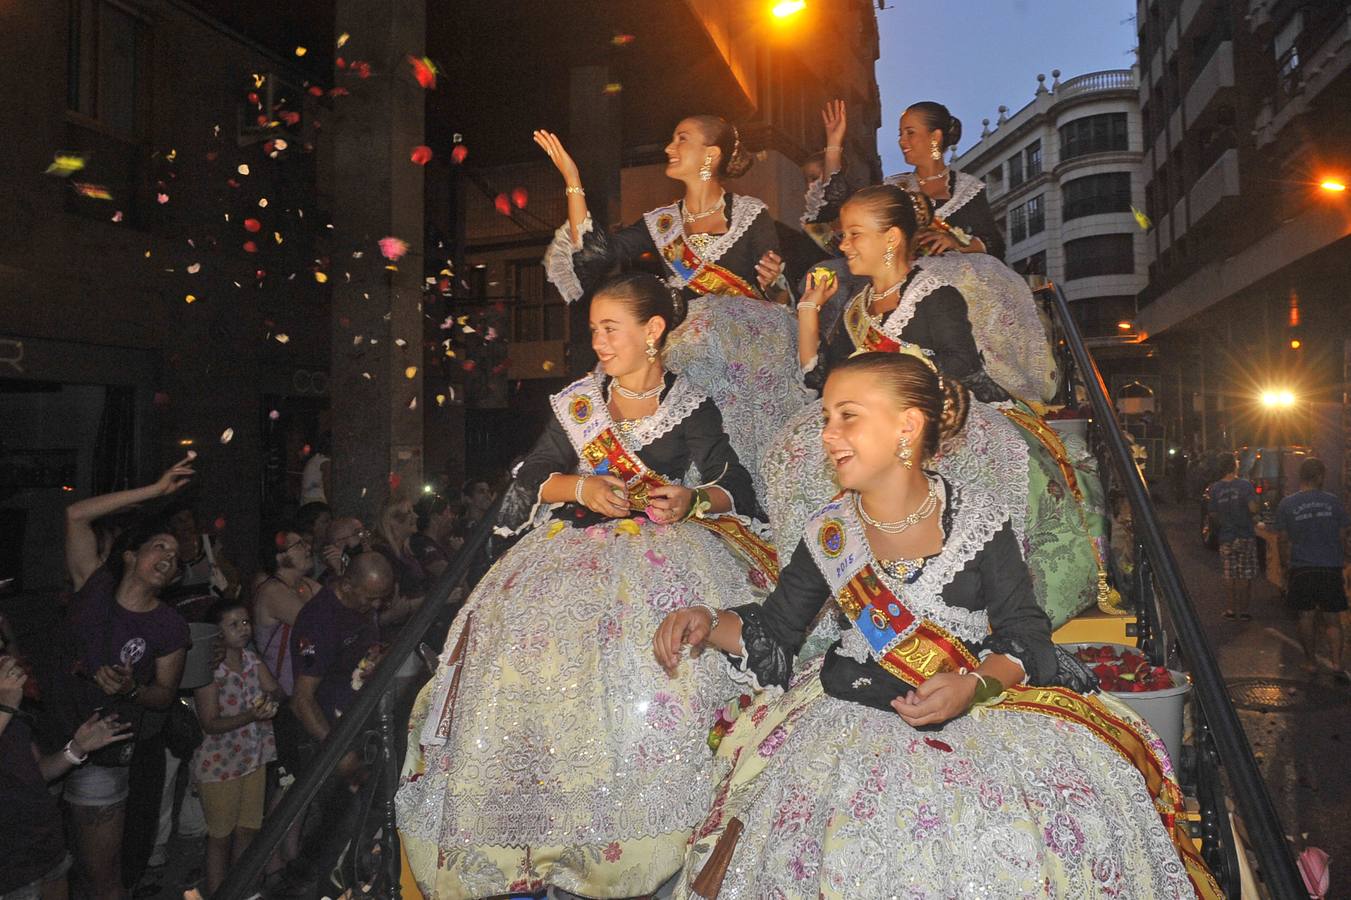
x: 827, y: 199
x: 1018, y: 626
x: 773, y: 633
x: 713, y: 456
x: 603, y: 250
x: 551, y: 454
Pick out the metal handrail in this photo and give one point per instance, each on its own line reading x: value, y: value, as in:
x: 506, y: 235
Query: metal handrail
x: 1279, y: 873
x: 373, y: 701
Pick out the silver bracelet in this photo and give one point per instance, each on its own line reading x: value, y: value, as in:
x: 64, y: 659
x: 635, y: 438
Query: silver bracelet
x: 713, y: 616
x: 70, y: 756
x: 577, y: 491
x: 807, y: 304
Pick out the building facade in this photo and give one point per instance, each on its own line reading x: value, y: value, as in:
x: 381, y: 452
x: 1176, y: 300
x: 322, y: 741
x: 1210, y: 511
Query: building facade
x: 615, y: 102
x: 1062, y: 175
x: 1246, y: 107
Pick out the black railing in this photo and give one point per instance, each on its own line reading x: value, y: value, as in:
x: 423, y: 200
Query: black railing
x: 1167, y: 622
x: 369, y: 724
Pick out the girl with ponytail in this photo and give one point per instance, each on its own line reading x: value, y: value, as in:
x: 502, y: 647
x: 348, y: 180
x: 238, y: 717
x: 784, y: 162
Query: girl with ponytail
x: 719, y: 249
x: 914, y: 756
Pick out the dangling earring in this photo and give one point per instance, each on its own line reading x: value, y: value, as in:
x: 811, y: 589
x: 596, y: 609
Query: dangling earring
x: 706, y: 170
x: 889, y: 258
x: 651, y: 352
x: 934, y: 150
x: 905, y: 454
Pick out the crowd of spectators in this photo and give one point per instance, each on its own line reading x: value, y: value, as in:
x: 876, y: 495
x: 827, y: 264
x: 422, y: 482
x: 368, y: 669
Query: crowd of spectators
x: 183, y: 693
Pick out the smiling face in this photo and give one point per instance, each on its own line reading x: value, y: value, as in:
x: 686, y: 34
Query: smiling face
x: 916, y: 138
x: 155, y: 562
x: 236, y: 630
x: 864, y: 242
x: 686, y: 153
x: 619, y: 339
x: 862, y: 429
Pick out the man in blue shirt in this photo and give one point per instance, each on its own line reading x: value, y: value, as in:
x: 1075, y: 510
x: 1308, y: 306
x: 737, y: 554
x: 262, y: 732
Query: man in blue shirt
x: 1312, y: 524
x: 1233, y: 501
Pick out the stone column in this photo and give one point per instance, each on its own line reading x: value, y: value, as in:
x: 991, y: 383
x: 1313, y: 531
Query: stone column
x: 377, y: 192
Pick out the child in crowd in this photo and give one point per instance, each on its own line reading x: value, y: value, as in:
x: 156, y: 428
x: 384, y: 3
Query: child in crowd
x: 235, y: 709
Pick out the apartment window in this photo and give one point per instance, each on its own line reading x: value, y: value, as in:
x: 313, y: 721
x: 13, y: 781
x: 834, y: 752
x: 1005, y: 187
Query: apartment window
x: 1286, y: 48
x: 1031, y: 265
x: 1101, y: 254
x: 107, y: 63
x: 1036, y: 215
x: 1093, y: 134
x: 1016, y: 170
x: 540, y: 313
x: 1109, y: 192
x: 995, y: 176
x: 1032, y: 157
x: 1017, y: 224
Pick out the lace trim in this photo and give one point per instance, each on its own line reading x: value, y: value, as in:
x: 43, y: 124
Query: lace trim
x: 964, y: 188
x: 814, y: 200
x: 923, y: 284
x: 558, y: 260
x: 744, y: 211
x: 975, y: 519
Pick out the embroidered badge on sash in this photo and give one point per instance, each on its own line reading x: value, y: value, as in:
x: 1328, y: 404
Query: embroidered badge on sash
x: 831, y: 537
x: 580, y: 409
x: 664, y: 222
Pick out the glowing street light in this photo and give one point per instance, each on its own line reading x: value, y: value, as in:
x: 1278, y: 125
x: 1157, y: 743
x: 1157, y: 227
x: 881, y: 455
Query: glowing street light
x: 786, y: 8
x: 1333, y: 185
x: 1278, y: 399
x: 1124, y: 325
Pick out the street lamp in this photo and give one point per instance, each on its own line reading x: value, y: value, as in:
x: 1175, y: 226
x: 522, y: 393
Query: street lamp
x: 1333, y: 185
x: 786, y: 8
x: 1124, y: 325
x: 1278, y: 399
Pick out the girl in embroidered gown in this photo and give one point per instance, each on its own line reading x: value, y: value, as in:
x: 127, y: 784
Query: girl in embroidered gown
x: 719, y: 250
x: 549, y: 749
x: 962, y: 244
x: 909, y: 760
x: 1006, y: 448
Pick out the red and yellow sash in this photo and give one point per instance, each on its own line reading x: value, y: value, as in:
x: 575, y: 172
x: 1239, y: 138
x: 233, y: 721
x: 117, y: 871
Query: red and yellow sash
x: 914, y: 649
x: 691, y: 270
x: 864, y: 332
x: 586, y: 419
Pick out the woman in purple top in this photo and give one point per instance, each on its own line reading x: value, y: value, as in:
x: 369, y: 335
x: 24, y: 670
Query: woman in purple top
x: 129, y: 650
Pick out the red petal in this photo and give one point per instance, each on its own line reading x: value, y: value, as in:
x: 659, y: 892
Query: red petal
x: 937, y: 744
x: 503, y: 204
x: 459, y: 153
x: 252, y: 226
x: 422, y: 154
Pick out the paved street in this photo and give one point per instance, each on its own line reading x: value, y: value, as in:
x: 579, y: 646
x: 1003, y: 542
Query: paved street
x: 1299, y: 726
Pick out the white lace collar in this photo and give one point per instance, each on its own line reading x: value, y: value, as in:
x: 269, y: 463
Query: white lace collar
x: 976, y: 516
x: 744, y: 211
x: 922, y: 285
x: 964, y: 188
x: 675, y: 407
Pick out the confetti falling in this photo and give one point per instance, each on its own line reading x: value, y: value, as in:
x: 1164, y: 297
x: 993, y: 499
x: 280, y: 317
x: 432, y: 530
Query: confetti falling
x: 421, y: 155
x: 301, y: 51
x: 458, y: 154
x: 503, y: 204
x: 343, y: 39
x: 520, y: 197
x: 392, y: 248
x: 273, y: 415
x: 250, y: 247
x: 243, y: 169
x: 440, y: 399
x: 65, y: 165
x: 190, y: 298
x: 321, y: 277
x: 424, y: 70
x: 253, y: 226
x: 622, y: 40
x: 98, y: 191
x: 283, y: 338
x: 410, y: 373
x: 194, y: 268
x: 227, y: 435
x: 613, y: 87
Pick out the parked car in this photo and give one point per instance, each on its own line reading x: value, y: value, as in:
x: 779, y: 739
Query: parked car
x: 1274, y: 472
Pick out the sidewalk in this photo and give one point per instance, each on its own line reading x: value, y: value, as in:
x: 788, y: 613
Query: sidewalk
x: 1299, y: 725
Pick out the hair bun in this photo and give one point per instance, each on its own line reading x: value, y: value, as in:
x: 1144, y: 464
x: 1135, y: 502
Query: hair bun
x: 956, y: 406
x: 953, y: 133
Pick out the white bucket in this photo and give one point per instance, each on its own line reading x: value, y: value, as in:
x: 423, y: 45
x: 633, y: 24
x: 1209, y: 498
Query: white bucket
x: 197, y: 668
x: 1162, y: 709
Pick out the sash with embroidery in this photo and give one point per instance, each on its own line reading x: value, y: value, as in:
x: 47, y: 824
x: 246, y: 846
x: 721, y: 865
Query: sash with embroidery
x: 914, y: 649
x: 863, y: 331
x: 668, y: 233
x: 908, y: 646
x: 585, y: 416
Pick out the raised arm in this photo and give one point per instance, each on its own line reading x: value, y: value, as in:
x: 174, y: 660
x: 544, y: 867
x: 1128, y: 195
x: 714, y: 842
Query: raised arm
x: 82, y: 556
x: 825, y: 197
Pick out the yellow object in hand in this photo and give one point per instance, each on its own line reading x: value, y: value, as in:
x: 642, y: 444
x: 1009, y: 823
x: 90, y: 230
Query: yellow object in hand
x: 820, y: 277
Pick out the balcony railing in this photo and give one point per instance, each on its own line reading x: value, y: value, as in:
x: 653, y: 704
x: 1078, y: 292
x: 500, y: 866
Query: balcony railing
x: 1108, y: 80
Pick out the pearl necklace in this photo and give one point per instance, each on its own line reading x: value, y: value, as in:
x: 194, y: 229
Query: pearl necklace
x: 638, y: 395
x: 690, y: 218
x: 925, y: 179
x: 923, y: 511
x: 872, y: 298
